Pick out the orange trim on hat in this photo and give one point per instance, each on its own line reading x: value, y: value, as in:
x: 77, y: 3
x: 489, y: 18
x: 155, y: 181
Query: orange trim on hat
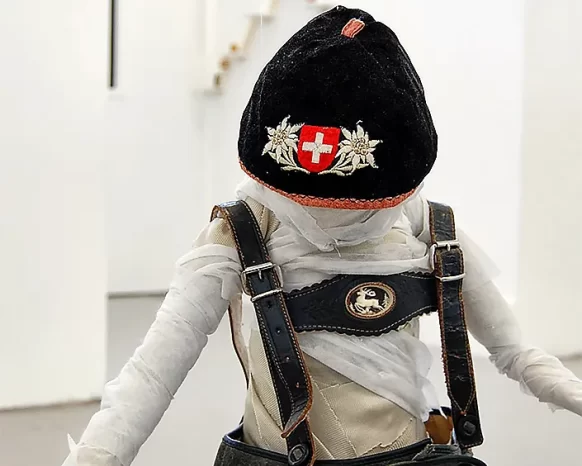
x: 353, y: 27
x: 336, y: 203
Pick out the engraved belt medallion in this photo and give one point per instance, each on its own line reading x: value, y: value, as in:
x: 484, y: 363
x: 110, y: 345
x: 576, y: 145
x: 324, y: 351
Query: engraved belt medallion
x: 370, y: 300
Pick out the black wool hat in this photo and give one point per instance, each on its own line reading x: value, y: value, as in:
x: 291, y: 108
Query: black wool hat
x: 338, y: 117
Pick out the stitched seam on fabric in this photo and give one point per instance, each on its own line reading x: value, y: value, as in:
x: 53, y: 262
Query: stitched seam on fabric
x: 291, y: 335
x: 315, y: 201
x: 91, y: 447
x: 264, y: 327
x: 193, y: 304
x: 468, y: 354
x: 338, y: 327
x: 438, y: 261
x: 452, y: 230
x: 278, y: 369
x: 186, y: 321
x: 299, y: 358
x: 443, y: 338
x: 215, y: 211
x: 256, y: 228
x: 319, y: 287
x: 462, y: 311
x: 272, y: 383
x: 307, y: 428
x: 419, y: 277
x: 145, y: 369
x: 336, y: 385
x: 336, y: 418
x: 275, y: 362
x: 257, y: 417
x: 381, y: 445
x: 453, y: 227
x: 316, y: 288
x: 235, y: 342
x: 315, y: 437
x: 261, y: 218
x: 237, y: 241
x: 353, y: 28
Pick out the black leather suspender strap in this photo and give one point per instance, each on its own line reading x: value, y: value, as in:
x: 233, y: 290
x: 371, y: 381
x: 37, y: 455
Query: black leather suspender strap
x: 286, y: 363
x: 458, y: 364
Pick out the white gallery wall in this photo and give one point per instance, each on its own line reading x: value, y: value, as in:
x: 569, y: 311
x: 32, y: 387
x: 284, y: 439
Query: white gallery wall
x: 173, y: 150
x: 474, y: 86
x: 155, y: 160
x: 103, y: 190
x: 470, y: 58
x: 52, y: 244
x: 548, y: 302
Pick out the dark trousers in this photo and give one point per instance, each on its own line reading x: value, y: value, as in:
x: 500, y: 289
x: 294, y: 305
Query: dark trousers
x: 233, y: 452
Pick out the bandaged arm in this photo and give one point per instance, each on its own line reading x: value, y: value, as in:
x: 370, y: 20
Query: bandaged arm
x: 491, y: 321
x: 133, y: 404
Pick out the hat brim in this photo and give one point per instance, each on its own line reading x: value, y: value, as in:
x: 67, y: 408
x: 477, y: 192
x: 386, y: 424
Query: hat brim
x: 335, y: 203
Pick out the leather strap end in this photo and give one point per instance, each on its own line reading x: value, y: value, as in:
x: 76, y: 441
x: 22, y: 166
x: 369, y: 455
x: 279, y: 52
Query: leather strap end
x: 295, y: 420
x: 216, y: 211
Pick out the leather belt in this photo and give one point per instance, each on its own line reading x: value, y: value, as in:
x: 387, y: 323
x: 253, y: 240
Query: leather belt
x: 287, y: 366
x: 362, y: 305
x: 458, y: 364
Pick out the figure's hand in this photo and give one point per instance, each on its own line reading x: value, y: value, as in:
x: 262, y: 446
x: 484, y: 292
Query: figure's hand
x: 83, y: 455
x: 439, y: 428
x: 70, y: 460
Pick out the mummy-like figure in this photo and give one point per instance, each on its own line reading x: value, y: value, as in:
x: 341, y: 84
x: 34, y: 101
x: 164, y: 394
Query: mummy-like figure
x: 341, y: 255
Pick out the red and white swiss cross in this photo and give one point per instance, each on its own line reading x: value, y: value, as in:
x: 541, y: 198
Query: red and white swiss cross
x: 317, y: 147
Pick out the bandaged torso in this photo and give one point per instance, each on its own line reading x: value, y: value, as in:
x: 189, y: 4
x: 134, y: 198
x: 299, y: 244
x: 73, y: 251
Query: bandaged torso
x: 370, y: 394
x: 385, y: 375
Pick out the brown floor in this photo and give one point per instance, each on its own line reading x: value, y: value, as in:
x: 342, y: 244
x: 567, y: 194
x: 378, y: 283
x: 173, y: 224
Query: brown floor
x: 519, y: 430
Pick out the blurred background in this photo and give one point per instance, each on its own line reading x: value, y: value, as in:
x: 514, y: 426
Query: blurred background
x: 114, y: 151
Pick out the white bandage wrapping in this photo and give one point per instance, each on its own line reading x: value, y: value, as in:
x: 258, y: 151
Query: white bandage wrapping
x: 311, y: 245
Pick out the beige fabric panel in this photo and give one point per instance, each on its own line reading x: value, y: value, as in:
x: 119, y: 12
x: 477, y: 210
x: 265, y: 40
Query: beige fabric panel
x: 220, y: 232
x: 347, y: 420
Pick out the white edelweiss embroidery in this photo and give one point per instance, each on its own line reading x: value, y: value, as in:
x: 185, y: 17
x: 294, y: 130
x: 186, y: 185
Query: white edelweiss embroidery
x: 282, y: 145
x: 355, y: 152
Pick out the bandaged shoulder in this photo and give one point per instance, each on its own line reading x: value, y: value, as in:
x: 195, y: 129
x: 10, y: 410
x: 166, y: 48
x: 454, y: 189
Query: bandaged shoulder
x: 218, y: 231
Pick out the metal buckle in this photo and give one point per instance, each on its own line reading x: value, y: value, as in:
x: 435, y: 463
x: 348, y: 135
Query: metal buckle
x: 254, y: 269
x: 266, y: 294
x: 448, y: 245
x: 453, y: 278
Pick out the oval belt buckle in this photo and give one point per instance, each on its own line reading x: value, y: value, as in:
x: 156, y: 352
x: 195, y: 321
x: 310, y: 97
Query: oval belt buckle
x: 370, y: 300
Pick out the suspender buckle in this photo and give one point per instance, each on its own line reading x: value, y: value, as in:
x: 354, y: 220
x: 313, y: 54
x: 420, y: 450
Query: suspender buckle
x: 448, y: 245
x: 258, y: 269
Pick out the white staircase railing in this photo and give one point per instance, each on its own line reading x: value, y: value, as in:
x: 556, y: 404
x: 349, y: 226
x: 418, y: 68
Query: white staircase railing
x: 219, y: 62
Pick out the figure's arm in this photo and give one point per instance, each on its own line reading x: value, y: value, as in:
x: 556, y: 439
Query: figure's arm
x: 206, y: 279
x: 492, y: 323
